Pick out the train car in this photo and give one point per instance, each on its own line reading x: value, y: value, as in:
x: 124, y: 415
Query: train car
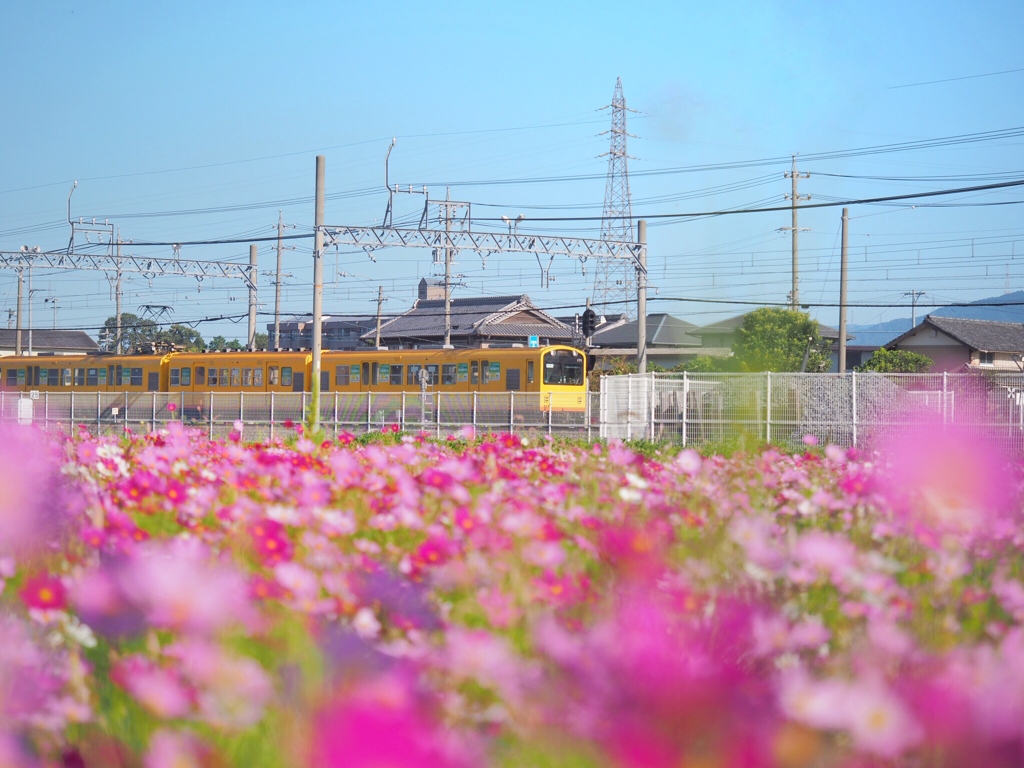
x: 556, y: 373
x: 85, y: 373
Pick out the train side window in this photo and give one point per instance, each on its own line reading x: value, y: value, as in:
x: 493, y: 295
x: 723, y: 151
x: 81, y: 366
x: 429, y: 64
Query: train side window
x: 366, y: 373
x: 224, y: 377
x: 120, y: 376
x: 110, y: 375
x: 483, y: 372
x: 286, y: 376
x: 512, y: 379
x: 136, y: 377
x: 66, y: 377
x: 474, y: 372
x: 102, y: 376
x: 201, y: 375
x: 54, y: 377
x: 186, y: 377
x: 44, y: 377
x: 257, y: 377
x: 236, y: 377
x: 247, y: 377
x: 529, y: 372
x: 431, y: 375
x: 273, y: 375
x: 79, y: 377
x: 374, y: 373
x: 12, y: 377
x: 413, y: 379
x: 175, y: 377
x: 448, y: 373
x: 213, y: 377
x: 341, y: 378
x: 396, y: 375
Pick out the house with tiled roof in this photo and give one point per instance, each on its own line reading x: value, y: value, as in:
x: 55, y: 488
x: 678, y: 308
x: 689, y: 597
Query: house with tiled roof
x: 670, y: 341
x: 957, y: 344
x: 496, y: 321
x: 46, y: 341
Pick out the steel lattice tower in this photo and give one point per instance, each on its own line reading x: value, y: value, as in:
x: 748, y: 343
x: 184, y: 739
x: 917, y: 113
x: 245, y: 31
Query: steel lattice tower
x: 615, y: 281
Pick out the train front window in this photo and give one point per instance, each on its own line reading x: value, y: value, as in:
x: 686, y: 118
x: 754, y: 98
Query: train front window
x: 562, y: 367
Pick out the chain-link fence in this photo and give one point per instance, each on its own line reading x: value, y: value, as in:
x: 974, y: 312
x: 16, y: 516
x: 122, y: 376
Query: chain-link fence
x: 268, y: 415
x: 843, y: 409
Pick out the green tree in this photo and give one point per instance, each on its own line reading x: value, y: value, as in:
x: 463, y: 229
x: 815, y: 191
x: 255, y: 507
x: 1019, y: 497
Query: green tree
x: 896, y: 361
x: 135, y: 331
x: 774, y: 339
x: 707, y: 364
x: 219, y: 342
x: 182, y: 336
x: 261, y: 340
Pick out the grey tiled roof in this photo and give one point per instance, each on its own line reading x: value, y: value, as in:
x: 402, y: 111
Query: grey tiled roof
x: 663, y: 330
x: 477, y: 316
x: 49, y: 340
x: 981, y: 335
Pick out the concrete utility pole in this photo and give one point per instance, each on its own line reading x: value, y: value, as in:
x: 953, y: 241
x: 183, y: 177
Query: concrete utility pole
x: 380, y: 301
x: 794, y: 296
x: 641, y: 297
x: 252, y: 297
x: 318, y: 291
x: 842, y: 293
x: 17, y: 326
x: 913, y: 306
x: 277, y: 285
x: 117, y: 297
x: 447, y: 276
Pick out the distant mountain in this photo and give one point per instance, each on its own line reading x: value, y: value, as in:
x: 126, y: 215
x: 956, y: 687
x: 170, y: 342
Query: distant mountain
x: 1008, y: 314
x: 879, y: 334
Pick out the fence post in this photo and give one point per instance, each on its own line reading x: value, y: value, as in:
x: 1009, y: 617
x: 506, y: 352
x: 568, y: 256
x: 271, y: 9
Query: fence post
x: 46, y: 410
x: 97, y: 413
x: 945, y: 381
x: 72, y: 414
x: 629, y: 406
x: 686, y: 402
x: 651, y: 406
x: 403, y: 408
x: 474, y: 410
x: 437, y: 413
x: 152, y: 413
x: 209, y: 416
x: 768, y: 410
x: 241, y: 407
x: 550, y: 412
x: 369, y: 412
x: 853, y: 396
x: 512, y: 412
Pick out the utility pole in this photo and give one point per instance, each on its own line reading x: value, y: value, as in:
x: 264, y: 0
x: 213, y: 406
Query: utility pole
x: 913, y: 305
x: 53, y: 300
x: 447, y: 274
x: 794, y: 296
x: 380, y: 301
x: 641, y: 297
x: 17, y: 325
x: 277, y: 286
x: 318, y: 293
x: 842, y: 293
x: 253, y: 276
x: 117, y: 297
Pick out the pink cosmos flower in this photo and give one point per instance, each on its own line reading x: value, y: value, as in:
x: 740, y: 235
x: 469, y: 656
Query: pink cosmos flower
x: 175, y: 749
x: 44, y: 592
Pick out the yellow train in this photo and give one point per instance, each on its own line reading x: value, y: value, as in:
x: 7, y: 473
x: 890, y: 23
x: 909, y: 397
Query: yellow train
x: 556, y: 373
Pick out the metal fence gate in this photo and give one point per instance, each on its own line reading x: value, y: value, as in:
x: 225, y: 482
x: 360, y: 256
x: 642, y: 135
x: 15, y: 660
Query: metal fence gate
x: 842, y: 409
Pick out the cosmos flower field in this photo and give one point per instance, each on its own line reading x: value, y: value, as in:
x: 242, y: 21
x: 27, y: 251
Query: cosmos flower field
x: 392, y: 601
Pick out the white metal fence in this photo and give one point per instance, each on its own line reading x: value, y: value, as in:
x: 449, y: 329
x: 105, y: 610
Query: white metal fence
x: 690, y: 409
x: 843, y: 409
x: 266, y: 415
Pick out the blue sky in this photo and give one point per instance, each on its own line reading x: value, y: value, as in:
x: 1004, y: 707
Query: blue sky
x: 201, y: 121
